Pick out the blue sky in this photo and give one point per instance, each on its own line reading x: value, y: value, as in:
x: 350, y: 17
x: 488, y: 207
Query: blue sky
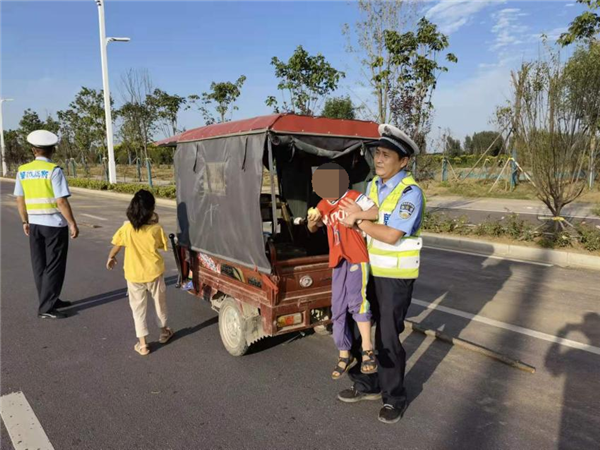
x: 50, y: 49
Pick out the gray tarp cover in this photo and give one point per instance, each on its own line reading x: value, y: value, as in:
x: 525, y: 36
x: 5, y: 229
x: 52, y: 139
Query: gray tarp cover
x: 218, y: 198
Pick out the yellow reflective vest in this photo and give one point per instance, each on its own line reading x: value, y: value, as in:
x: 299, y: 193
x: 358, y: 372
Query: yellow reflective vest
x: 36, y: 180
x: 399, y: 260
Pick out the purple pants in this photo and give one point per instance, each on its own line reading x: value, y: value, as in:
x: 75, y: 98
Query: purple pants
x: 348, y: 295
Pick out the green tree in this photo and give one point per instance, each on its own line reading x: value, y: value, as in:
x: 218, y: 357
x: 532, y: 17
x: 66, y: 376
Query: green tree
x: 306, y: 79
x: 83, y: 124
x: 167, y: 109
x: 15, y: 152
x: 452, y: 146
x: 416, y: 55
x: 481, y: 141
x: 551, y: 132
x: 366, y: 40
x: 582, y: 77
x: 30, y: 121
x: 339, y: 108
x: 221, y: 98
x: 584, y: 27
x: 140, y: 112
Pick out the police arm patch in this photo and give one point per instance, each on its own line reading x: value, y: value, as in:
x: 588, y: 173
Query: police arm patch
x: 406, y: 210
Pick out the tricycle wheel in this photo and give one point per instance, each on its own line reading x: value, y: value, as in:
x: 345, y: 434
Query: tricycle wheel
x: 232, y: 326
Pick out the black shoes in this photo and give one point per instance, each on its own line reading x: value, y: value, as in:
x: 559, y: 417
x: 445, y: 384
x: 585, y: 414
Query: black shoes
x: 52, y: 314
x: 389, y: 414
x: 352, y: 396
x: 61, y: 304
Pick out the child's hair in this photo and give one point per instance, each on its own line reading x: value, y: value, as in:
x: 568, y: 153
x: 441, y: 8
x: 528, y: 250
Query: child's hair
x: 141, y: 209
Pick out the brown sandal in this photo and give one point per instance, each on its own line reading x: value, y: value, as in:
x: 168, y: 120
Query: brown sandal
x: 340, y: 370
x: 165, y: 336
x: 142, y: 349
x: 368, y: 361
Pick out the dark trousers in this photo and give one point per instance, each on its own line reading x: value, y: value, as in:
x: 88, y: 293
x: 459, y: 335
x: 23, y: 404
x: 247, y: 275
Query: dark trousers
x: 390, y: 299
x: 49, y: 246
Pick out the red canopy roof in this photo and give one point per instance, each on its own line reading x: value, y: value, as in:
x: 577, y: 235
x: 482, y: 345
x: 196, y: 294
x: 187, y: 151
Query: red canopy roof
x: 280, y: 123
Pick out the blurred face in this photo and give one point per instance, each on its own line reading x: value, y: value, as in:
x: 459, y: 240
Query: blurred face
x: 388, y: 163
x: 330, y: 184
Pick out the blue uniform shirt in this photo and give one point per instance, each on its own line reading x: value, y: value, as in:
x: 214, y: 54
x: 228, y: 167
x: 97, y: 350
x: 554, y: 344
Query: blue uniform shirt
x: 60, y: 188
x: 407, y: 215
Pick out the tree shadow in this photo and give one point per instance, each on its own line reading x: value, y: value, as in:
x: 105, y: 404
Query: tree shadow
x: 580, y: 418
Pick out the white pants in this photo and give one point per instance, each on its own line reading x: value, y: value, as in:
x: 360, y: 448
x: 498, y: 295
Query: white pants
x: 138, y: 300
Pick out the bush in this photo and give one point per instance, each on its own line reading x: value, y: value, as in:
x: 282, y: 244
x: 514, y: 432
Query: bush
x: 589, y: 237
x: 168, y: 191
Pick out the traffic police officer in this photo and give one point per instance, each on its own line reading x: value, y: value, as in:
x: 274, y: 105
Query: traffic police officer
x: 41, y: 190
x: 394, y: 251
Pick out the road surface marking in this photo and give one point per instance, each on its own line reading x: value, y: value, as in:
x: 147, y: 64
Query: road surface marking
x: 22, y: 424
x: 508, y: 326
x: 482, y: 255
x: 93, y: 217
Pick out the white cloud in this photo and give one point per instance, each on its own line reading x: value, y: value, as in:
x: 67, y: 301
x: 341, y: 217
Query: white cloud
x: 508, y: 28
x: 451, y: 15
x: 468, y: 106
x: 569, y: 5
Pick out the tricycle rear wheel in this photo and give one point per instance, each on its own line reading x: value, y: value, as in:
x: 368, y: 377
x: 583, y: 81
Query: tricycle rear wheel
x: 232, y: 327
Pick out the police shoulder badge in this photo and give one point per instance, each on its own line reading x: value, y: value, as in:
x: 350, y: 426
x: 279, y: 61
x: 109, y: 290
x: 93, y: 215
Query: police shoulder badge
x: 406, y: 210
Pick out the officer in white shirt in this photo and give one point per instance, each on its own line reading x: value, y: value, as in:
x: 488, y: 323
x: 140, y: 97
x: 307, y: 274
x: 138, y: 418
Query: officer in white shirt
x: 42, y: 191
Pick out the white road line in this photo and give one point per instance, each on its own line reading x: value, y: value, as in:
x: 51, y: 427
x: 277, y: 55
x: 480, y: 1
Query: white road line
x: 22, y: 424
x: 490, y: 256
x: 507, y: 326
x: 93, y: 217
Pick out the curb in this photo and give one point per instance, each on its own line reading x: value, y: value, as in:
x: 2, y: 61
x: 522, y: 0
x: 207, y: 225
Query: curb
x: 555, y: 257
x: 127, y: 197
x: 159, y: 201
x: 433, y: 240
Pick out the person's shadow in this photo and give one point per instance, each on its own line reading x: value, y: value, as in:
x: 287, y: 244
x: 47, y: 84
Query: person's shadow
x: 484, y: 286
x: 580, y: 421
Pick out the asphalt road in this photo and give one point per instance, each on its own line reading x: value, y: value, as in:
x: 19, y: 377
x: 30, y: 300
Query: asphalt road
x: 89, y: 390
x: 478, y: 210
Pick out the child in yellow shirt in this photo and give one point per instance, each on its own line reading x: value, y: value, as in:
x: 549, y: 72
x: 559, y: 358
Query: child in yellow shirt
x: 142, y: 237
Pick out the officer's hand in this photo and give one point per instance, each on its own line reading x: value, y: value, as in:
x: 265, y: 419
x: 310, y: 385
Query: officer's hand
x: 74, y: 230
x: 350, y: 206
x: 112, y: 262
x: 26, y: 229
x: 349, y: 220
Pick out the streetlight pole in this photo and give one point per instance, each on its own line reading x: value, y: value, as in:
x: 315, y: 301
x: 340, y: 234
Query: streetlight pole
x: 4, y: 166
x: 112, y: 168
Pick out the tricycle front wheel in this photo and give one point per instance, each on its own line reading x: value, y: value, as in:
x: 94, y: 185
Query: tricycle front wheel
x: 232, y: 327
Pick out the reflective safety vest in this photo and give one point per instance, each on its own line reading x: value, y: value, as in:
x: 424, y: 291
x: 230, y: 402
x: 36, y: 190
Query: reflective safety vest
x: 36, y: 180
x: 399, y: 260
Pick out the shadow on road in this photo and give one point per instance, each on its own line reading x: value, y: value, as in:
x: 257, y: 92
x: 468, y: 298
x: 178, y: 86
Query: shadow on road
x: 107, y: 297
x: 484, y: 282
x: 184, y: 332
x: 580, y: 421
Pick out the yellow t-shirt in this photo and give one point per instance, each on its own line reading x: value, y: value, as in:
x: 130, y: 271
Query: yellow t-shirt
x: 143, y: 262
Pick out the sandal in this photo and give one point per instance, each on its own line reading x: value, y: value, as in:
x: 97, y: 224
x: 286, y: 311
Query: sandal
x: 340, y: 370
x: 141, y: 349
x: 368, y: 365
x: 165, y: 336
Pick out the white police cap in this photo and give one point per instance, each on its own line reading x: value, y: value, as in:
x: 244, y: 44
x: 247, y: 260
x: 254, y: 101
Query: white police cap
x: 42, y: 138
x: 394, y: 139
